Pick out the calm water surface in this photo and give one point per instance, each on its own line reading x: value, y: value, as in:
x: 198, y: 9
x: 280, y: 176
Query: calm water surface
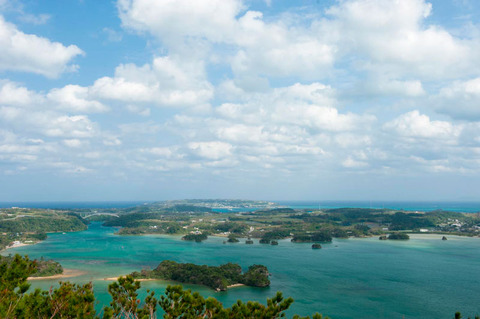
x: 424, y: 277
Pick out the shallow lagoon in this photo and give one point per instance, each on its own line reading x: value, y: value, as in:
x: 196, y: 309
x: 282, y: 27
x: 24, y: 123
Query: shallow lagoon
x: 424, y: 277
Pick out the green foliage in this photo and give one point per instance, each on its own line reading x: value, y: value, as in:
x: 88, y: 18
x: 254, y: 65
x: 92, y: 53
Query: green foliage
x: 276, y: 211
x: 188, y: 208
x: 218, y: 278
x: 179, y: 303
x: 42, y: 267
x: 195, y: 237
x: 232, y: 238
x: 339, y: 233
x: 173, y: 228
x: 37, y: 236
x: 458, y: 315
x: 360, y: 229
x: 47, y: 268
x: 321, y: 236
x: 276, y: 234
x: 42, y: 224
x: 67, y: 301
x: 236, y: 228
x: 125, y: 302
x: 13, y: 283
x: 401, y: 221
x: 131, y: 220
x: 256, y: 276
x: 398, y: 236
x: 302, y: 238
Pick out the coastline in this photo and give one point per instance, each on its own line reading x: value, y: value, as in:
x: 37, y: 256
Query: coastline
x: 235, y: 285
x: 67, y: 273
x: 18, y: 245
x: 141, y: 279
x: 153, y: 279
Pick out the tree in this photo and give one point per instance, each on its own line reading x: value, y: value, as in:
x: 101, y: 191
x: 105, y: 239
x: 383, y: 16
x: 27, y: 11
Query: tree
x: 13, y: 283
x: 67, y: 301
x: 125, y: 302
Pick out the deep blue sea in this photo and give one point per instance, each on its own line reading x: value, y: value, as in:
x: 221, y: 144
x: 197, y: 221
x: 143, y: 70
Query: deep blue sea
x: 457, y: 206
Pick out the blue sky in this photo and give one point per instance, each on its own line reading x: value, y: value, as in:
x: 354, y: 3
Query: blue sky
x: 280, y: 100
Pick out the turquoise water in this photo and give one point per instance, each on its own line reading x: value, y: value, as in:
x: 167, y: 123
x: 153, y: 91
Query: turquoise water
x: 424, y: 277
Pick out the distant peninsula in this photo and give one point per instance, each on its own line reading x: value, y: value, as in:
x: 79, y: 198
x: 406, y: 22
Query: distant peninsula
x: 219, y: 278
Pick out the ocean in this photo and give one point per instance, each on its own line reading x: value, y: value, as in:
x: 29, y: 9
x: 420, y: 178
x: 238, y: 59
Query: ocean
x: 454, y: 206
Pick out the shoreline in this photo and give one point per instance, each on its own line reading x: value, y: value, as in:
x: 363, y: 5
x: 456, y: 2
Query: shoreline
x: 67, y: 273
x: 19, y: 245
x: 141, y: 279
x: 154, y: 279
x: 235, y: 286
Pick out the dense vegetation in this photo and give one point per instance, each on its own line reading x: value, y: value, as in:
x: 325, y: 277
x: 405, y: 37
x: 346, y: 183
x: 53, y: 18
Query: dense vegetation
x: 43, y: 268
x: 31, y: 225
x: 233, y: 238
x: 71, y: 301
x: 399, y: 236
x: 218, y: 278
x: 322, y: 236
x: 274, y: 234
x: 195, y: 237
x: 43, y: 223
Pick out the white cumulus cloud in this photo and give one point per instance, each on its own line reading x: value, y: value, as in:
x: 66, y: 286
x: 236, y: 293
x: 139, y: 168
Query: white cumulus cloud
x: 31, y: 53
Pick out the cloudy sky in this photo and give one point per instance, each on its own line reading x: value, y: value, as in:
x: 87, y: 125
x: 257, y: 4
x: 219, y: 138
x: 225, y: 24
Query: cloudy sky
x: 260, y: 99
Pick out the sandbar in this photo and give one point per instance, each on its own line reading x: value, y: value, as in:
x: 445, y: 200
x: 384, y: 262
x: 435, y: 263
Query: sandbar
x: 67, y: 273
x: 18, y: 245
x: 235, y: 285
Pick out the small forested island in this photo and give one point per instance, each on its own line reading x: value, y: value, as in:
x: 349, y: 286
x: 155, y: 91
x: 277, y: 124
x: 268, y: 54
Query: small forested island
x: 232, y: 239
x: 195, y: 237
x: 218, y: 278
x: 321, y: 236
x: 398, y: 236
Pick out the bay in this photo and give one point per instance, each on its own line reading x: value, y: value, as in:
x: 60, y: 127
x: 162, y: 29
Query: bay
x: 424, y: 277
